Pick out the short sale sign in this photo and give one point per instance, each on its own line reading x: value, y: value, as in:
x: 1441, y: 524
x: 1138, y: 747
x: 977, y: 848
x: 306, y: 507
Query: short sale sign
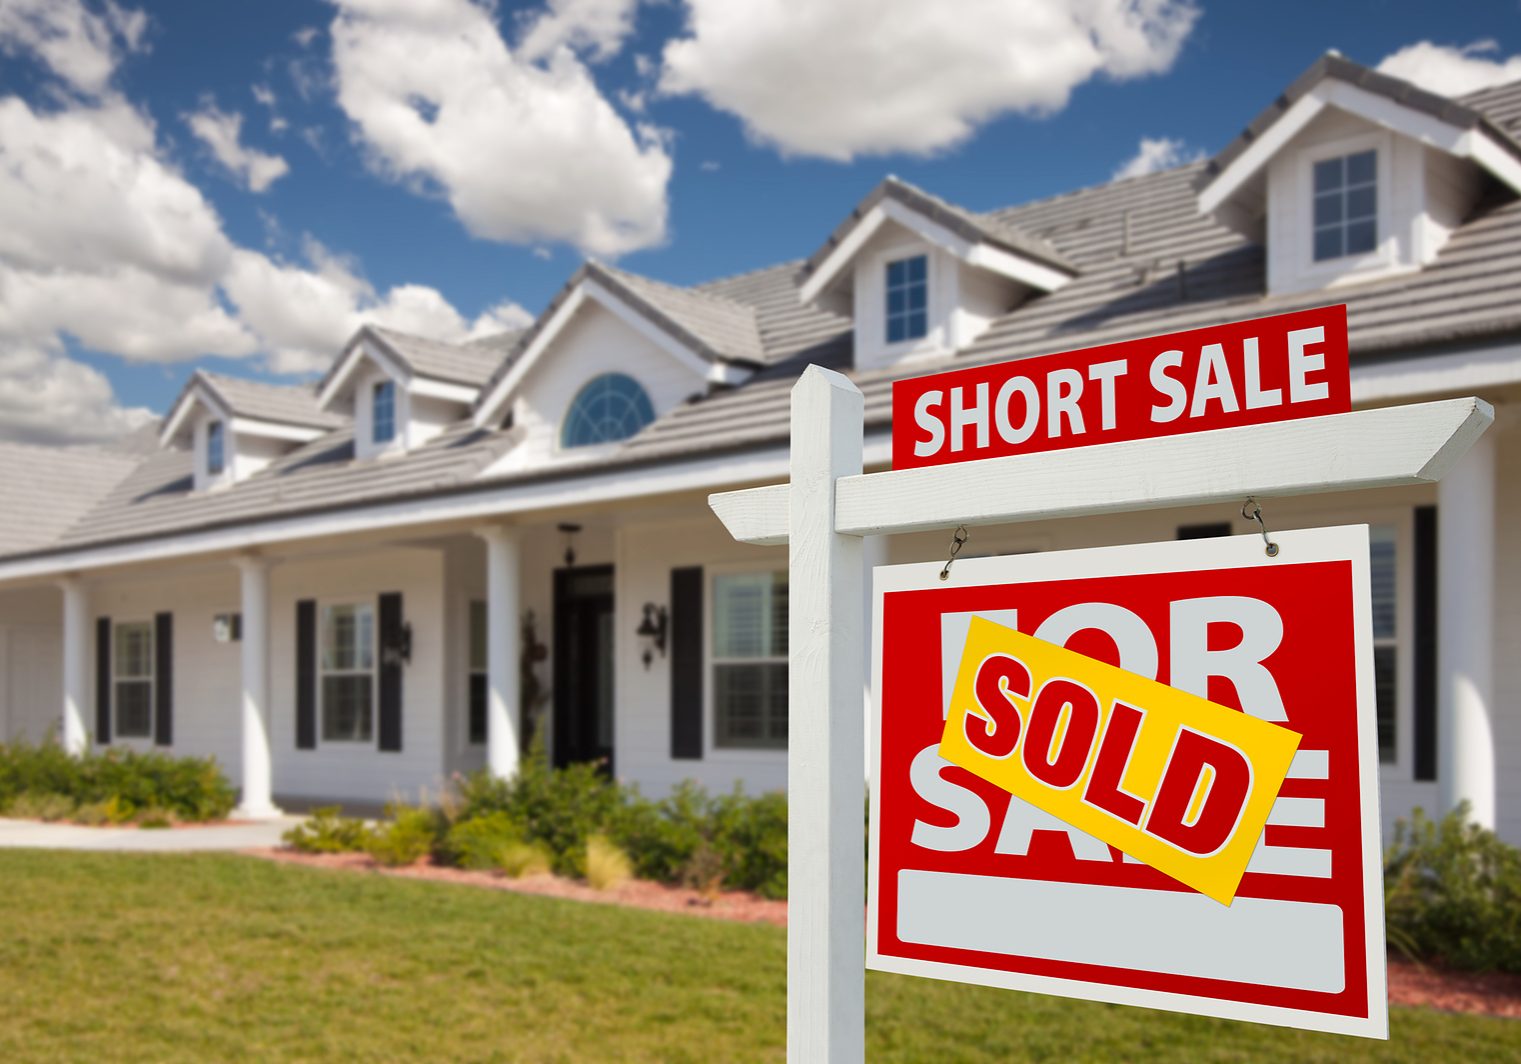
x: 978, y: 875
x: 1277, y: 368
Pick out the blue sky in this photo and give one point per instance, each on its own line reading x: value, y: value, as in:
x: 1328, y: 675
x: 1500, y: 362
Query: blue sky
x: 333, y: 202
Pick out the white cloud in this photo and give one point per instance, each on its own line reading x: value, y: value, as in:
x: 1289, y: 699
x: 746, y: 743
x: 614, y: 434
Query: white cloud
x: 1157, y: 153
x: 80, y: 46
x: 222, y: 132
x: 1452, y: 70
x: 46, y: 398
x: 597, y: 27
x: 265, y: 97
x: 522, y: 151
x: 860, y: 77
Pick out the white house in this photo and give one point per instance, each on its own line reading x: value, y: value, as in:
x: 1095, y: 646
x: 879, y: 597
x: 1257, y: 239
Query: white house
x: 337, y: 591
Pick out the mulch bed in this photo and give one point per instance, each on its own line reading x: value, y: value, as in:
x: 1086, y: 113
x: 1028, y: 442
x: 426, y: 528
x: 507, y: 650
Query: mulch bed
x: 1428, y: 986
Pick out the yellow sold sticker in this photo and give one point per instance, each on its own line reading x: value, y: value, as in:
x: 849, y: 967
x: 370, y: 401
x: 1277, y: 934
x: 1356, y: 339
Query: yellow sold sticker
x: 1174, y: 780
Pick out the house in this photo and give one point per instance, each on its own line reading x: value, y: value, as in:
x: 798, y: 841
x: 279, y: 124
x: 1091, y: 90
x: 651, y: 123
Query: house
x: 357, y: 588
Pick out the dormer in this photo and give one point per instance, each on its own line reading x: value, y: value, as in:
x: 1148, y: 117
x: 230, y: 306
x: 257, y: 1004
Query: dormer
x: 237, y: 427
x: 610, y: 353
x: 921, y: 277
x: 403, y: 390
x: 1352, y: 175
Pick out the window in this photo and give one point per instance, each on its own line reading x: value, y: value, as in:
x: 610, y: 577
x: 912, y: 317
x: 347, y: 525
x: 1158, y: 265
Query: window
x: 907, y: 299
x: 612, y: 407
x: 216, y: 449
x: 1346, y: 205
x: 750, y: 660
x: 348, y: 672
x: 133, y: 660
x: 478, y: 689
x: 383, y: 413
x: 1381, y: 541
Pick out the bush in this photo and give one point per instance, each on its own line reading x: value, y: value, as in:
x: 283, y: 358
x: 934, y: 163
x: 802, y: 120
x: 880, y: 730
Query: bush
x: 750, y: 834
x: 1452, y: 893
x: 478, y: 843
x: 327, y: 830
x: 410, y: 836
x: 184, y: 788
x: 607, y: 866
x: 519, y: 859
x: 40, y: 805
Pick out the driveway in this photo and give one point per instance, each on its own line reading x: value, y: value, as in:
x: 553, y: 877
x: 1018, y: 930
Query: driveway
x: 235, y: 836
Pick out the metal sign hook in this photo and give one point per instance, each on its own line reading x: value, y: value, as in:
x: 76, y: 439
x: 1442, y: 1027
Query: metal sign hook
x: 1255, y: 514
x: 957, y: 542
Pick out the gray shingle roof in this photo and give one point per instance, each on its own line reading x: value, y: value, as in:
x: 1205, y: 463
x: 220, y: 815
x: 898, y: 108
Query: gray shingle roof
x: 1465, y: 113
x: 1148, y: 261
x: 45, y: 490
x: 470, y: 364
x: 288, y: 404
x: 969, y: 226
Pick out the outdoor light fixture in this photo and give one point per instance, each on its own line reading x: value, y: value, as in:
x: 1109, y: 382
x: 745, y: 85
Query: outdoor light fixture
x: 652, y: 630
x: 570, y: 529
x: 227, y: 627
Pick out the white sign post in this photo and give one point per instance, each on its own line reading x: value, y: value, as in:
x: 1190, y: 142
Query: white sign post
x: 831, y: 503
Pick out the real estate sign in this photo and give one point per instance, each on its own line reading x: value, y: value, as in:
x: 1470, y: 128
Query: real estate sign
x: 992, y: 866
x: 1251, y: 372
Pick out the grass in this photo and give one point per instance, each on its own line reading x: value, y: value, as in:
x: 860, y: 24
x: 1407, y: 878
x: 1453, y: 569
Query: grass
x: 193, y: 958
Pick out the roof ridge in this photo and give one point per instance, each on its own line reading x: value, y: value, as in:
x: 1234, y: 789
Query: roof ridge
x: 683, y: 289
x: 744, y: 274
x: 1097, y: 187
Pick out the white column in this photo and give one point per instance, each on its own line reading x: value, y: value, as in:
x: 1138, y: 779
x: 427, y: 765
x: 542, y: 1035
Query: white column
x: 76, y: 665
x: 503, y: 689
x: 826, y: 746
x: 1465, y: 633
x: 258, y: 801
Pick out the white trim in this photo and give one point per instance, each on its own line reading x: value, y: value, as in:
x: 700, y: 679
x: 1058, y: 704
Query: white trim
x: 370, y: 603
x: 980, y: 254
x: 1475, y: 145
x: 1311, y: 272
x: 358, y: 352
x: 150, y: 623
x: 712, y: 751
x: 433, y: 388
x: 200, y: 393
x: 276, y: 430
x: 1471, y: 370
x: 590, y: 289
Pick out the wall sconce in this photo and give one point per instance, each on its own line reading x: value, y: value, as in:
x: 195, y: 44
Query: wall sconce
x: 399, y: 651
x: 227, y: 627
x: 570, y: 529
x: 652, y: 630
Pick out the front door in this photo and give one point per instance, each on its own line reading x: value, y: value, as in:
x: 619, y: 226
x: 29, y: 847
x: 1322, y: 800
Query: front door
x: 583, y: 665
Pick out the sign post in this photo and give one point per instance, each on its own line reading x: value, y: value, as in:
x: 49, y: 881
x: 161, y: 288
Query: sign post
x: 830, y: 503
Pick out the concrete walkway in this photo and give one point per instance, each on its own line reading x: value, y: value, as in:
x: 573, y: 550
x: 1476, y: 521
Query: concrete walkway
x: 241, y: 836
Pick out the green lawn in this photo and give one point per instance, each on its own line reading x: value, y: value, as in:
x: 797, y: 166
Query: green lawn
x: 116, y: 957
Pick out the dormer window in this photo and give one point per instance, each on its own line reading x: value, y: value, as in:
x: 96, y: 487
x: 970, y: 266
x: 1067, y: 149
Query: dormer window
x: 907, y: 299
x: 216, y: 449
x: 611, y: 407
x: 1346, y: 205
x: 383, y: 412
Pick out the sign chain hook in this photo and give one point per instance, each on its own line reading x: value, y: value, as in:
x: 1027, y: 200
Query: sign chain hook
x: 1253, y: 512
x: 957, y: 542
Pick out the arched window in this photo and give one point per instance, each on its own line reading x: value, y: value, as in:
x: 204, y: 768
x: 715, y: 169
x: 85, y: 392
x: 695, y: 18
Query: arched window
x: 611, y: 407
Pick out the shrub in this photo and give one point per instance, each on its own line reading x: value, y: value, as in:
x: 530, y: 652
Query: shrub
x: 704, y: 871
x: 662, y: 837
x: 187, y: 788
x: 519, y: 859
x: 154, y: 818
x: 410, y: 836
x: 40, y: 805
x: 606, y: 865
x: 1453, y: 893
x: 750, y: 834
x: 478, y: 843
x: 327, y: 830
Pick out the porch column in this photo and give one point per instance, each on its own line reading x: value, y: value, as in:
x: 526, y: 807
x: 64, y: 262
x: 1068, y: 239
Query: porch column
x: 1465, y: 633
x: 258, y: 802
x: 503, y: 689
x: 76, y: 665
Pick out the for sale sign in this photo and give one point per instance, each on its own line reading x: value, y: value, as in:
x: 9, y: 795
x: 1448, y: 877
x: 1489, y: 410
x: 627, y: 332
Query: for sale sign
x: 971, y: 882
x: 1277, y: 368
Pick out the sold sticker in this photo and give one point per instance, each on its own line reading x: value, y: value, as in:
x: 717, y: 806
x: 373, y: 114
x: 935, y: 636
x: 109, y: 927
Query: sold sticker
x: 1174, y: 780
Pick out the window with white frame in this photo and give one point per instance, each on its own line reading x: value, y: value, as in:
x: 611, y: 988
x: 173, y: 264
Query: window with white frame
x: 1346, y: 205
x: 1383, y: 572
x: 348, y: 672
x: 609, y: 408
x: 478, y: 670
x: 749, y: 660
x: 383, y: 412
x: 216, y: 448
x: 907, y: 299
x: 133, y: 679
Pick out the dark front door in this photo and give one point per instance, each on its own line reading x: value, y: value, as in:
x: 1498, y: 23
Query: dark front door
x: 583, y: 654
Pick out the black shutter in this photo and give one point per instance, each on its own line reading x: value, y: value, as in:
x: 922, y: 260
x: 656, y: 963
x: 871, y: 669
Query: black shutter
x: 103, y: 680
x: 478, y: 696
x: 1425, y: 609
x: 306, y: 674
x: 391, y: 637
x: 163, y: 679
x: 686, y: 663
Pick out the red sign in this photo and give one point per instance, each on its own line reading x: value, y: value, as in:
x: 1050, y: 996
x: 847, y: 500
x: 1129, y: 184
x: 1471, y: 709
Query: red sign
x: 970, y: 883
x: 1277, y: 368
